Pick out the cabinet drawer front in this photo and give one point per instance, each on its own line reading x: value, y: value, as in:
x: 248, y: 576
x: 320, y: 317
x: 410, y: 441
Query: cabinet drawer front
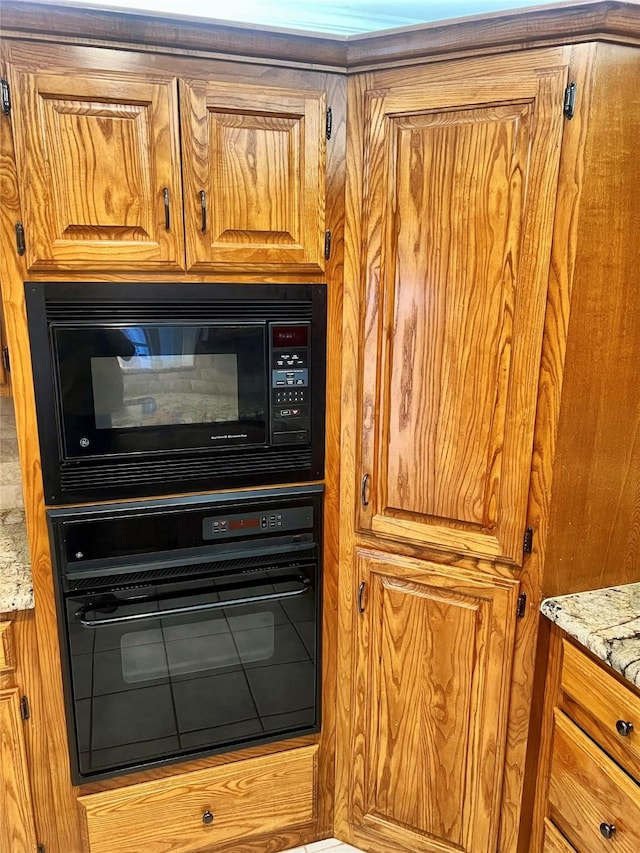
x: 253, y: 797
x: 554, y: 841
x: 602, y: 707
x: 588, y: 793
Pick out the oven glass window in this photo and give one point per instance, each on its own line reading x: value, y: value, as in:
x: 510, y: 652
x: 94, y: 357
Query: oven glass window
x: 186, y: 385
x: 157, y: 687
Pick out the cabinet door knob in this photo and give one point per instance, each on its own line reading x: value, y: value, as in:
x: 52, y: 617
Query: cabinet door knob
x: 607, y: 830
x: 207, y: 817
x: 624, y: 728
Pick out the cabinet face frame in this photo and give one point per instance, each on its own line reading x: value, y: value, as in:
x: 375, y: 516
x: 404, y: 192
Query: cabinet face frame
x: 258, y: 154
x: 407, y: 706
x: 99, y: 163
x: 477, y: 507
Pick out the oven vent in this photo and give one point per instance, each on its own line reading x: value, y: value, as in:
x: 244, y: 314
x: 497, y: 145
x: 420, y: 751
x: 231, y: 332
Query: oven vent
x: 146, y: 578
x: 251, y: 468
x: 91, y: 312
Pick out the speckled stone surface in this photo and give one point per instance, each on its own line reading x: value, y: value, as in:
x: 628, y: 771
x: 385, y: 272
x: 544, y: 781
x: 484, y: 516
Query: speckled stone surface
x: 605, y: 621
x: 16, y: 589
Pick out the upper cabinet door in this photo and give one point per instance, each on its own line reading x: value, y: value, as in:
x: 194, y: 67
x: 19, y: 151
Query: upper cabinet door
x: 460, y: 188
x: 254, y: 175
x: 99, y: 166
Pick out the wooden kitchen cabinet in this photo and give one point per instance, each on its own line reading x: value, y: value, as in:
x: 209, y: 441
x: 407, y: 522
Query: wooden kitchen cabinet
x: 17, y: 828
x: 5, y: 377
x: 457, y: 221
x: 100, y: 165
x: 591, y: 771
x: 430, y: 699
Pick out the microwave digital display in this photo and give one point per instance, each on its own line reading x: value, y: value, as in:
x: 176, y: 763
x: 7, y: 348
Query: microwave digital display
x: 290, y: 336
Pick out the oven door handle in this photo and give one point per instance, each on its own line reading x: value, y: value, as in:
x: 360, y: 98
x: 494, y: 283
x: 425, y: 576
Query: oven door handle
x: 193, y: 608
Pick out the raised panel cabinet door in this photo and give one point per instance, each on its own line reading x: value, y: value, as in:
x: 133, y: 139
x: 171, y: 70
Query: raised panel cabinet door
x: 17, y: 829
x: 434, y: 652
x: 460, y: 186
x: 99, y: 164
x: 254, y: 172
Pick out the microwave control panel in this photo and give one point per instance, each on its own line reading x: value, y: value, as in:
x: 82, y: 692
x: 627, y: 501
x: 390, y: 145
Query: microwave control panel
x: 290, y: 383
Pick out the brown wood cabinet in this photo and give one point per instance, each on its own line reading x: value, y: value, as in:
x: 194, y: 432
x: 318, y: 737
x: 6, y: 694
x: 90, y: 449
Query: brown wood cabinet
x: 17, y: 828
x: 458, y: 212
x: 433, y: 672
x: 5, y: 377
x: 590, y: 773
x: 99, y: 160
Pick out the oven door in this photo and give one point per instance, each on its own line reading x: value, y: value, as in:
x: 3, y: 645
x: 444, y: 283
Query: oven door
x: 184, y: 669
x: 157, y: 387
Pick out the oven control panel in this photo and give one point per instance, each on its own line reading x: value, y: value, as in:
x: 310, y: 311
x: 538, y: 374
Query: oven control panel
x: 278, y: 520
x: 290, y: 383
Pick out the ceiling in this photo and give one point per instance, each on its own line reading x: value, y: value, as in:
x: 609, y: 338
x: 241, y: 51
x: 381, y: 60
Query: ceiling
x: 339, y: 17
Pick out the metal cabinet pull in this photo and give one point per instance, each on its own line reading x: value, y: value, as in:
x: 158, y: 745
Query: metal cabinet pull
x: 203, y: 210
x: 607, y: 830
x: 361, y: 590
x: 167, y: 218
x: 363, y: 490
x: 207, y: 817
x: 624, y: 728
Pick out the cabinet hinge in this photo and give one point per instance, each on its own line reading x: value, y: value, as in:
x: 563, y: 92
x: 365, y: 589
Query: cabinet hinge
x: 6, y: 361
x: 569, y: 107
x: 25, y: 709
x: 6, y: 98
x: 20, y: 244
x: 327, y: 245
x: 329, y: 123
x: 527, y: 540
x: 521, y: 608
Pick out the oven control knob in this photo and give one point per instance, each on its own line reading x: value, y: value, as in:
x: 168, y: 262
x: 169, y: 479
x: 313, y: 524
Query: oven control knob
x: 207, y: 817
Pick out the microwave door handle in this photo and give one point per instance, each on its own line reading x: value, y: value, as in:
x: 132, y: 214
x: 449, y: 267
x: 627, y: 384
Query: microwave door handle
x: 192, y: 608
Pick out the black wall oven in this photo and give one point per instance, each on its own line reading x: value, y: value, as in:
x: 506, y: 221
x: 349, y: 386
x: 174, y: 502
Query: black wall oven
x: 188, y: 626
x: 156, y: 388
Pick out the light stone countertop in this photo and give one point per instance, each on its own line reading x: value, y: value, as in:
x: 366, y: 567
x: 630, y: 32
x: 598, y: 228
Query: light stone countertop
x: 16, y: 589
x: 605, y: 621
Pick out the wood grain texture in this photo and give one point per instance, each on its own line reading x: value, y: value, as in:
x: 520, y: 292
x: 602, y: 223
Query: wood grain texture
x: 554, y: 841
x: 586, y: 789
x: 596, y: 700
x: 458, y: 214
x: 259, y: 795
x: 17, y: 830
x: 95, y: 153
x: 258, y: 153
x: 596, y: 480
x: 7, y: 651
x: 434, y: 648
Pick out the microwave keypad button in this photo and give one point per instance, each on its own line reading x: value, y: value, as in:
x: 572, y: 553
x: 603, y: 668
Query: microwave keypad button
x: 299, y: 436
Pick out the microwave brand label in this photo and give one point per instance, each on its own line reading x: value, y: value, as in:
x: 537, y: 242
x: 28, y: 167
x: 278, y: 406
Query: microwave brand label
x: 229, y: 435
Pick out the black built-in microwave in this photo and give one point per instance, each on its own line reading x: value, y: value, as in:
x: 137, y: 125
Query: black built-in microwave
x: 149, y: 388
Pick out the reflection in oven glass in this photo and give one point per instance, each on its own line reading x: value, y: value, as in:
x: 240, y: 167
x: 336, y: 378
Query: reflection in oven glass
x: 165, y: 686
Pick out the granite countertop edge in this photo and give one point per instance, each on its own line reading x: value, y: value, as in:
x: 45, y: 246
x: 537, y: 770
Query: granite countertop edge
x: 604, y: 621
x: 16, y: 587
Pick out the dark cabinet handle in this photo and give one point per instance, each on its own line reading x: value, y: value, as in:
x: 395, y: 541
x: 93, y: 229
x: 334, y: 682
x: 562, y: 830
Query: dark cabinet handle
x: 207, y: 817
x: 624, y: 728
x: 607, y: 830
x: 203, y: 209
x: 363, y: 490
x: 361, y: 590
x: 167, y: 219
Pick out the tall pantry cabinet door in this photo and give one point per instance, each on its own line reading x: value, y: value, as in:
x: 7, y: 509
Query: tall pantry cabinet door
x: 17, y: 828
x: 99, y: 165
x: 430, y: 703
x: 459, y: 198
x: 254, y: 172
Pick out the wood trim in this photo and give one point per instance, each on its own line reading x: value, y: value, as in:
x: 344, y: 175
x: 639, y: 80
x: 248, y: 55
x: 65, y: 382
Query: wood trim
x: 7, y: 654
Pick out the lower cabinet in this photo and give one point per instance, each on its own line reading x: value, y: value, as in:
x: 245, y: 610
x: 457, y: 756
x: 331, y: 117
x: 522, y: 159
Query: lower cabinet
x: 17, y: 829
x: 205, y: 808
x: 433, y: 650
x: 593, y: 799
